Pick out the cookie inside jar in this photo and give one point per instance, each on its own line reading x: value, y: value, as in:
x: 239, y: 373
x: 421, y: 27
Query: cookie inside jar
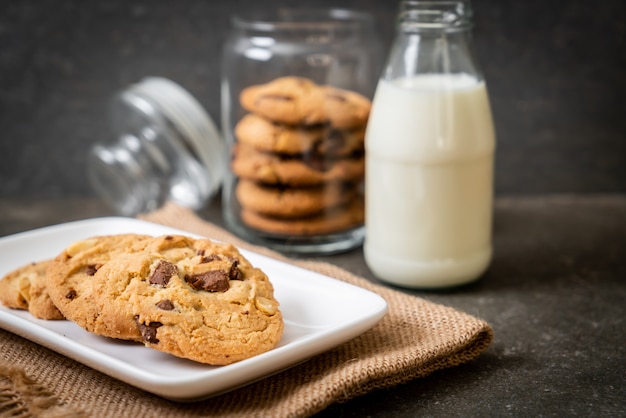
x: 299, y: 160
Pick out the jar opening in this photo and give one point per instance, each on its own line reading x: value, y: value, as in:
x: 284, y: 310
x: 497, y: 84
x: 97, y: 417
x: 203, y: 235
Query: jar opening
x: 298, y: 19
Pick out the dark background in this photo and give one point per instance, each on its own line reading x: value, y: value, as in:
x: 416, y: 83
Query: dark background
x: 555, y: 70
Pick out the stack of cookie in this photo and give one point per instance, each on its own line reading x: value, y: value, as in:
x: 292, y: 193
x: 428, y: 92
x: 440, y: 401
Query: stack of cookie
x: 192, y: 298
x: 299, y: 157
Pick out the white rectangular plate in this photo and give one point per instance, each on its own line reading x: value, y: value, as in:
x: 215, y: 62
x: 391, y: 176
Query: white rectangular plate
x: 319, y: 312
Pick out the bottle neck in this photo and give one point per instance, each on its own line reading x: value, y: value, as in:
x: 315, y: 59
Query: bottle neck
x: 432, y: 37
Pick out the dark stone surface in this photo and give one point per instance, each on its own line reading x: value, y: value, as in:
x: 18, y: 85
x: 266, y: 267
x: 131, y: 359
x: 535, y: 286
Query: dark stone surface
x: 555, y: 71
x: 554, y: 297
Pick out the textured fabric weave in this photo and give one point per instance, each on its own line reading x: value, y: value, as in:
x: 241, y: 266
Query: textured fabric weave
x: 414, y: 339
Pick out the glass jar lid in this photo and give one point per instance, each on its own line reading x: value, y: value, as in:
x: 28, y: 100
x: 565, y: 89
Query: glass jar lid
x: 167, y: 149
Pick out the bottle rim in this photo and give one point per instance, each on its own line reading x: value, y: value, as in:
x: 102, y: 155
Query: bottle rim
x: 455, y: 15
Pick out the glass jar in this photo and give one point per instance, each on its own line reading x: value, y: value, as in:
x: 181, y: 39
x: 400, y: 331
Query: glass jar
x: 165, y: 148
x: 430, y: 153
x: 296, y: 91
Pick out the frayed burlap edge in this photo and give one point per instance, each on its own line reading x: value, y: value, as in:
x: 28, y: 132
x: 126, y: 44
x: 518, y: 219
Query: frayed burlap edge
x: 23, y: 397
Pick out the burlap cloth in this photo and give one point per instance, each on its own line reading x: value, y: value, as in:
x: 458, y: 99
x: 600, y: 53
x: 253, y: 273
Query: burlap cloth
x: 414, y: 339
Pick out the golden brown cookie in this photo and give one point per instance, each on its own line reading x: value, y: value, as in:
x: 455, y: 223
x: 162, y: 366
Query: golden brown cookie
x: 309, y: 170
x: 345, y: 109
x: 25, y: 288
x: 268, y: 136
x: 291, y: 100
x: 70, y: 276
x: 335, y: 220
x: 192, y: 298
x: 15, y: 287
x: 299, y: 101
x: 287, y: 202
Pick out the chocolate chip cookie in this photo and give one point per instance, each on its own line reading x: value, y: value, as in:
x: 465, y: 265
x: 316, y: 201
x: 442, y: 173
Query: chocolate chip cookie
x: 273, y: 137
x: 333, y: 220
x: 70, y: 278
x: 345, y: 109
x: 307, y: 170
x: 299, y: 101
x: 288, y: 202
x: 25, y: 288
x: 192, y: 298
x: 290, y: 100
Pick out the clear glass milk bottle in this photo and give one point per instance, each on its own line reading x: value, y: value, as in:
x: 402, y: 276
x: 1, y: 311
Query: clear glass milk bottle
x: 429, y: 154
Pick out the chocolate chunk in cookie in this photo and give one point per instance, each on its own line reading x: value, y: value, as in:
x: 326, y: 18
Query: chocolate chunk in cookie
x: 162, y: 273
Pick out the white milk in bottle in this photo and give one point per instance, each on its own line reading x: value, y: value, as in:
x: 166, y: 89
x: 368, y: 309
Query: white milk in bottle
x: 429, y: 180
x: 429, y: 148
